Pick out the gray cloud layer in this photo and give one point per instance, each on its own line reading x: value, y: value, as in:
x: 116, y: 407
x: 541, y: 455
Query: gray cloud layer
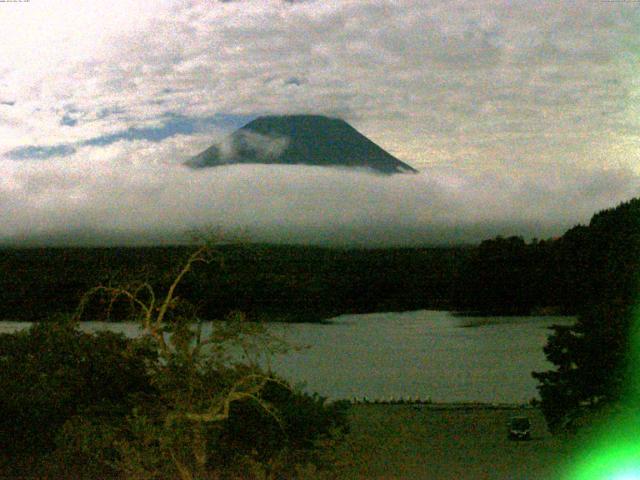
x: 120, y: 201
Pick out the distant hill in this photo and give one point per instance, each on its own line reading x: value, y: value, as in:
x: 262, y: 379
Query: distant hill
x: 588, y: 266
x: 300, y: 140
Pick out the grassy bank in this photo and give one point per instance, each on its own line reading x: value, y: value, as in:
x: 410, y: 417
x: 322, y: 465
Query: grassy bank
x: 444, y: 442
x: 428, y: 442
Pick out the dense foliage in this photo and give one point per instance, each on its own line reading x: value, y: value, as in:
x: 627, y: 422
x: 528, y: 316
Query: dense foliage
x: 53, y: 371
x: 568, y: 275
x: 594, y: 358
x: 176, y: 403
x: 295, y: 283
x: 275, y: 433
x: 303, y: 283
x: 508, y: 276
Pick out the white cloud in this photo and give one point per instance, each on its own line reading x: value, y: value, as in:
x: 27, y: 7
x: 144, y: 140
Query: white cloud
x: 124, y: 195
x: 531, y: 93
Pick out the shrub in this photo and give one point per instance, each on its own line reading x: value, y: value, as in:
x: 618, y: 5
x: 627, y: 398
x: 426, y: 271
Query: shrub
x: 592, y: 360
x: 297, y: 431
x: 53, y: 371
x: 306, y: 426
x: 210, y: 410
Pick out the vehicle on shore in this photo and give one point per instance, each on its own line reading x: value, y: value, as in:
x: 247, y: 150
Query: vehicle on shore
x: 519, y: 428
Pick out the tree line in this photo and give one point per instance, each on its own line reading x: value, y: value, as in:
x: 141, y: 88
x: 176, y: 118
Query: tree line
x: 596, y: 360
x: 270, y: 282
x: 503, y: 275
x: 566, y: 275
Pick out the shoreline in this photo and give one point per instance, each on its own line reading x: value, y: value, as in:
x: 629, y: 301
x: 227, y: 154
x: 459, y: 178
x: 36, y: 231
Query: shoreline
x: 431, y: 405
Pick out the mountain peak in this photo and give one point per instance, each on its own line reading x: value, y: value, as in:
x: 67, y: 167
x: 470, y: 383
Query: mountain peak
x: 300, y: 139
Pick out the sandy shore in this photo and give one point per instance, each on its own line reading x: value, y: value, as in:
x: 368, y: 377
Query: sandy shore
x: 449, y: 442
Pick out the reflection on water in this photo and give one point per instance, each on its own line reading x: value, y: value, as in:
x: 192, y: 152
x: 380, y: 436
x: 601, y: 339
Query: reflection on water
x: 412, y: 354
x: 421, y: 354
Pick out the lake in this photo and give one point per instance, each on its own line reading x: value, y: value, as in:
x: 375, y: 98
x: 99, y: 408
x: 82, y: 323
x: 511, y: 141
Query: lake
x: 422, y: 354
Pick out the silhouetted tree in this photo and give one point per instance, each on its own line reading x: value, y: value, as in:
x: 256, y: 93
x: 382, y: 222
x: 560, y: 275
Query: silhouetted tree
x: 594, y: 356
x: 499, y: 277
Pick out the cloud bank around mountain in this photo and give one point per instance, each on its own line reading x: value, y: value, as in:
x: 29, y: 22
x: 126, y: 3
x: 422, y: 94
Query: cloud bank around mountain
x: 519, y: 114
x: 149, y: 198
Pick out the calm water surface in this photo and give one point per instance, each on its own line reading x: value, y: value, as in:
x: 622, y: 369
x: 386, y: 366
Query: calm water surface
x: 412, y: 354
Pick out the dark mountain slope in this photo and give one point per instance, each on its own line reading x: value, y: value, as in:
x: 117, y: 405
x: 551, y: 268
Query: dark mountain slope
x: 300, y: 140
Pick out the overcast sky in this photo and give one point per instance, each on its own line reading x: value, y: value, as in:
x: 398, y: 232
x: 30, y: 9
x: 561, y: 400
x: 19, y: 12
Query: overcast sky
x: 523, y: 117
